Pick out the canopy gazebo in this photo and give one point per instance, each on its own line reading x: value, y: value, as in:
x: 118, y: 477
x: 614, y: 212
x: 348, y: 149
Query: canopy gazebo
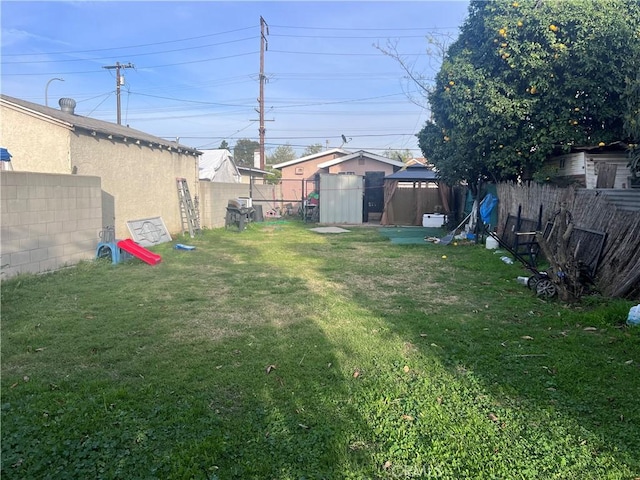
x: 412, y: 192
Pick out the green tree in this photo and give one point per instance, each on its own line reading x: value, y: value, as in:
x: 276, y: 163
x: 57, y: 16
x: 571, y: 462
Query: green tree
x: 243, y: 152
x: 400, y: 155
x: 313, y: 149
x: 282, y: 153
x: 528, y: 77
x: 224, y: 145
x: 632, y: 125
x: 274, y: 176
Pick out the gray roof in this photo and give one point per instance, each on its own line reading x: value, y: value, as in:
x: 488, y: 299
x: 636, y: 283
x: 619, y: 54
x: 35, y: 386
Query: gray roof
x: 94, y: 125
x: 414, y: 173
x: 250, y: 170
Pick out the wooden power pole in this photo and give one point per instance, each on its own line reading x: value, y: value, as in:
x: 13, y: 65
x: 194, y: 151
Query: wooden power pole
x: 119, y: 82
x: 264, y: 31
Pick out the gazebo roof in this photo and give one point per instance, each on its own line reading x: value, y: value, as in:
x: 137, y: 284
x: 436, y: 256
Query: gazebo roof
x: 414, y: 173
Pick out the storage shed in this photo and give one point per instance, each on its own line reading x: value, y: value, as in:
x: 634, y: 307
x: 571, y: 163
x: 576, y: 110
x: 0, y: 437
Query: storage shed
x: 602, y: 166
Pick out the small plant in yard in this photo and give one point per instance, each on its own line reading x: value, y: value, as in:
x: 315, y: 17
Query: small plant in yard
x: 278, y: 352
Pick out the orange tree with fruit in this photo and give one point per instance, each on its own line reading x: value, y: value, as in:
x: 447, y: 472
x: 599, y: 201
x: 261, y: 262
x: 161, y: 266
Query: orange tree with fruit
x: 529, y: 77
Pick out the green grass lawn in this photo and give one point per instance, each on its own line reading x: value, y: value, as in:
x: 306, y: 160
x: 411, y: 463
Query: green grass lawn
x: 280, y: 353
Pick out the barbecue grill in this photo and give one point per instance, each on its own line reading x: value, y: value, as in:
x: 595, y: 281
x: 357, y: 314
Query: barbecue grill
x: 238, y: 215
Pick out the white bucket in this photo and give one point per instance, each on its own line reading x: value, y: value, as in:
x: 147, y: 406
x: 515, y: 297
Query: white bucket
x: 491, y: 243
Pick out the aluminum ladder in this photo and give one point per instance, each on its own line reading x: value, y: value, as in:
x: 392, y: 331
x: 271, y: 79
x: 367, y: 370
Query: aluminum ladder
x: 188, y: 213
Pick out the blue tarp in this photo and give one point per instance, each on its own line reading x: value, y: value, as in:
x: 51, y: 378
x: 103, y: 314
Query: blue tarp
x: 487, y: 205
x: 5, y: 156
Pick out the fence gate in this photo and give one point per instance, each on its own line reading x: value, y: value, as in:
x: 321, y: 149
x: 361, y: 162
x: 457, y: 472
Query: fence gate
x: 373, y: 196
x: 341, y: 198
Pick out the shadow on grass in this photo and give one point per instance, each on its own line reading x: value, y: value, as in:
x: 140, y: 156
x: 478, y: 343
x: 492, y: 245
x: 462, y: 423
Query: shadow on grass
x: 154, y: 372
x: 557, y: 385
x: 277, y: 353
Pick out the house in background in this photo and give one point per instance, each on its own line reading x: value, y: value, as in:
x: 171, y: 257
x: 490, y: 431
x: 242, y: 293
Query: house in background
x: 592, y: 167
x: 138, y: 171
x: 416, y: 161
x: 252, y: 175
x: 301, y: 177
x: 373, y: 168
x: 217, y: 165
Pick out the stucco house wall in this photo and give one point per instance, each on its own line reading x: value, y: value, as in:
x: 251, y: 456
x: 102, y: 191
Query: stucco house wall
x: 304, y: 168
x: 361, y: 167
x: 37, y: 143
x: 138, y: 171
x: 140, y: 179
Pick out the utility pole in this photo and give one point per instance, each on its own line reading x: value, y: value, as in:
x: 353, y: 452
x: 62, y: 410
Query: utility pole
x: 263, y: 47
x: 119, y: 82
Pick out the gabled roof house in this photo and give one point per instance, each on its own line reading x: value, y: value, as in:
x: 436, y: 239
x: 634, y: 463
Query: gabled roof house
x: 300, y: 176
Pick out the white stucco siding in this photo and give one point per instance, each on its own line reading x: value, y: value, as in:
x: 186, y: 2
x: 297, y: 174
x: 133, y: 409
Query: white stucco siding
x: 37, y: 144
x: 361, y: 167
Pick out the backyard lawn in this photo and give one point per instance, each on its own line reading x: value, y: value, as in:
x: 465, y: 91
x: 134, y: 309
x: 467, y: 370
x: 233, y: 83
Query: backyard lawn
x: 281, y: 353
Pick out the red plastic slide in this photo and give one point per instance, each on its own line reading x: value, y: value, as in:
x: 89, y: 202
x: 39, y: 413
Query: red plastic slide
x: 142, y: 253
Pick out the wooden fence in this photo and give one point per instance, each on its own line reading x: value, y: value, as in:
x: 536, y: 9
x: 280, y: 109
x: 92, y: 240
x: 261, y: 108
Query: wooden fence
x: 618, y: 273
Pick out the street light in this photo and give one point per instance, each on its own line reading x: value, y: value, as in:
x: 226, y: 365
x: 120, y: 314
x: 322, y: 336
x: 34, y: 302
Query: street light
x: 46, y: 89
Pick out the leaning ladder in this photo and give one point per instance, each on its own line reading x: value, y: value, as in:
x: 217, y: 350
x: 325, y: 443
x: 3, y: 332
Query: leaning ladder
x: 188, y: 214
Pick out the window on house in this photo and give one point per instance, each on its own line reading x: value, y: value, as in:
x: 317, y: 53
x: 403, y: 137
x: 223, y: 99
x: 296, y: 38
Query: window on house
x: 346, y: 173
x: 299, y: 171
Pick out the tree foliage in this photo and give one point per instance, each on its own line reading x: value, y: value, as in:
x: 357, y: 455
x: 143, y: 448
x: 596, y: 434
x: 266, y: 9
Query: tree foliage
x: 632, y: 125
x: 224, y: 145
x: 243, y: 152
x: 400, y: 155
x: 528, y: 77
x: 312, y: 149
x: 282, y: 153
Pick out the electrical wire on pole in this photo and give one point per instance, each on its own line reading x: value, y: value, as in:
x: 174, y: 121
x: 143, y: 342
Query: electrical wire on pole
x: 119, y: 83
x: 264, y: 45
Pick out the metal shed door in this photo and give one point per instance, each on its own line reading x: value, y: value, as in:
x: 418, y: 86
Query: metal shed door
x: 341, y: 198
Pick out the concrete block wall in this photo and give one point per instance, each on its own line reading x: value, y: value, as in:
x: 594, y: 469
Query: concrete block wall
x: 214, y: 197
x: 47, y: 221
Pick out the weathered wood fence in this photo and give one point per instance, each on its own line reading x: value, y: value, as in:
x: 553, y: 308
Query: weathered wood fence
x: 618, y: 274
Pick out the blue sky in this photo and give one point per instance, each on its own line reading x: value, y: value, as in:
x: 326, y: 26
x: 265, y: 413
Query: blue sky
x: 197, y: 65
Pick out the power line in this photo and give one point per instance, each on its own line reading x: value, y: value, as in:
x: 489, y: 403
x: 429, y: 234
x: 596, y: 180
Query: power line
x: 41, y: 74
x: 341, y: 54
x: 131, y: 54
x: 395, y: 29
x: 338, y: 101
x: 119, y: 83
x: 339, y: 37
x: 322, y: 137
x: 130, y: 46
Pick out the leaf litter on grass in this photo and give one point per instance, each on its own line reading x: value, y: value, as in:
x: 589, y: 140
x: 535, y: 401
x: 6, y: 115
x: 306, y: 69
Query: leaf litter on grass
x: 466, y: 407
